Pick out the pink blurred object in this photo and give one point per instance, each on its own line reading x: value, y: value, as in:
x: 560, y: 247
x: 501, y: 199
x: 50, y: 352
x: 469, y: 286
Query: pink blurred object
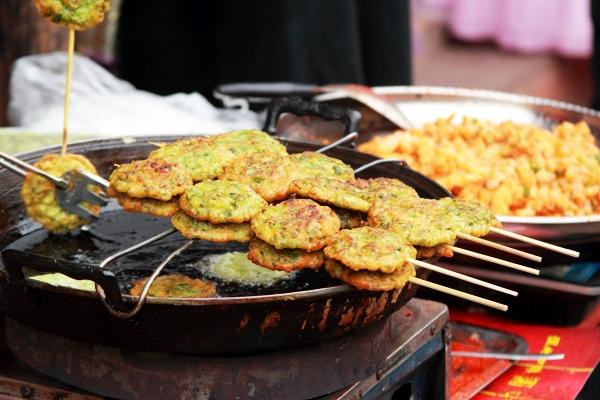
x: 561, y: 26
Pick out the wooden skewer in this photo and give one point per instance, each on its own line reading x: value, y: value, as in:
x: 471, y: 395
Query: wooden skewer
x: 498, y: 246
x: 156, y: 144
x: 464, y: 277
x: 539, y: 243
x: 458, y: 293
x: 495, y: 260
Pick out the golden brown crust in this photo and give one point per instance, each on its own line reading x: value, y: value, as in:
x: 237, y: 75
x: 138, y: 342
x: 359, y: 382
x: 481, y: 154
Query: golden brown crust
x: 39, y: 197
x: 269, y: 174
x: 296, y: 224
x: 175, y: 286
x: 369, y: 248
x: 146, y: 206
x: 154, y: 178
x: 379, y: 188
x: 265, y: 255
x: 74, y: 14
x: 370, y: 280
x: 194, y: 229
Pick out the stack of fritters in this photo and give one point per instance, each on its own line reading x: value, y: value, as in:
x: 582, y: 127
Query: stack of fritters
x: 311, y: 196
x: 150, y: 186
x: 290, y: 235
x: 218, y: 211
x: 370, y: 258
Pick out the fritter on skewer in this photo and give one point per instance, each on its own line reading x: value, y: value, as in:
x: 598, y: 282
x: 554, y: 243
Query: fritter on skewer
x: 175, y: 286
x: 221, y: 202
x: 154, y: 207
x: 194, y: 229
x: 296, y: 224
x: 309, y: 164
x: 441, y: 250
x: 370, y: 280
x: 331, y: 191
x: 420, y: 221
x: 265, y: 255
x: 74, y: 14
x: 468, y: 216
x: 39, y: 196
x: 248, y: 142
x: 378, y: 188
x: 201, y: 157
x: 269, y: 174
x: 154, y: 178
x: 370, y: 248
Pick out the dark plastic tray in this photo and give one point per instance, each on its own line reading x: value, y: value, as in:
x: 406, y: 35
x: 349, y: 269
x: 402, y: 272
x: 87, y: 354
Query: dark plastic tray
x: 550, y: 298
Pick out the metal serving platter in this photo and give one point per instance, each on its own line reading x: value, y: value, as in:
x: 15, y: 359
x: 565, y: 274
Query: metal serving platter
x: 423, y: 104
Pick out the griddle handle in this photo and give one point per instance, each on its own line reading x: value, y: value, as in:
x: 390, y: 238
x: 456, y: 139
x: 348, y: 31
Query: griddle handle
x: 15, y: 260
x: 293, y: 105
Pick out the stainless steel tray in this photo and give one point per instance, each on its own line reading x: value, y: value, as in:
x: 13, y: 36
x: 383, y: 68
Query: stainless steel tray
x: 425, y: 104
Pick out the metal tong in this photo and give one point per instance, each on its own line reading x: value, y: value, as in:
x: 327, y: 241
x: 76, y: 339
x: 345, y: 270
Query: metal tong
x: 71, y: 188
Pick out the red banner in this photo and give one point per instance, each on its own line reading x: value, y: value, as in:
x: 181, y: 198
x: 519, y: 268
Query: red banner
x: 543, y: 379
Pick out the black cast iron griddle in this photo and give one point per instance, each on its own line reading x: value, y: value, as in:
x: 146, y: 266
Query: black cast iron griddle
x: 239, y: 322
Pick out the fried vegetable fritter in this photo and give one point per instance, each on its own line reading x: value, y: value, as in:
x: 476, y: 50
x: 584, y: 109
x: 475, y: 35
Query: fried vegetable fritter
x: 221, y: 202
x: 201, y: 157
x: 154, y: 178
x: 370, y: 280
x: 248, y: 142
x: 369, y: 248
x: 74, y: 14
x: 296, y: 224
x: 268, y: 174
x: 467, y: 216
x: 331, y: 191
x: 309, y: 164
x: 350, y: 219
x: 39, y: 196
x: 379, y: 188
x: 420, y: 221
x: 175, y: 286
x: 194, y: 229
x: 265, y: 255
x: 155, y: 207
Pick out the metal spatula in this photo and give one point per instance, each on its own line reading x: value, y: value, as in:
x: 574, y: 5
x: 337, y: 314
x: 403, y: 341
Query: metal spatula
x: 71, y: 188
x: 263, y: 92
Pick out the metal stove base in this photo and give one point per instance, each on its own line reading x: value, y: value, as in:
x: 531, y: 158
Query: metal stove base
x: 402, y: 357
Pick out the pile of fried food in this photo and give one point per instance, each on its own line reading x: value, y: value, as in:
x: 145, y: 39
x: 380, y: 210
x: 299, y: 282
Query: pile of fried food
x: 513, y: 169
x: 297, y: 211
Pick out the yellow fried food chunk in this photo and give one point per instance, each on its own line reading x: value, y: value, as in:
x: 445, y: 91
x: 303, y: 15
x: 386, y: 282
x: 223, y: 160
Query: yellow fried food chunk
x: 155, y: 207
x: 221, y: 202
x: 39, y: 197
x: 202, y: 157
x: 331, y: 191
x: 370, y: 280
x: 296, y: 224
x: 379, y: 188
x: 154, y: 178
x: 265, y: 255
x: 74, y: 14
x: 194, y: 229
x: 175, y: 286
x: 268, y: 174
x: 309, y: 164
x: 370, y: 248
